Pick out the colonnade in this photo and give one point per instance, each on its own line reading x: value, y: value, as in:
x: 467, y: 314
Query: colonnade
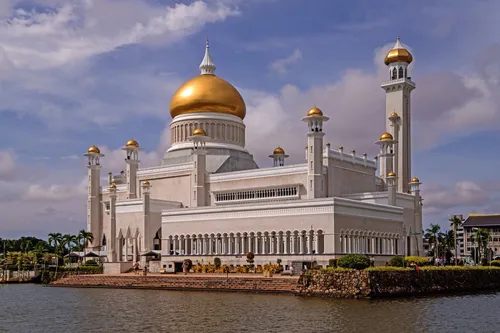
x: 355, y: 241
x: 240, y: 243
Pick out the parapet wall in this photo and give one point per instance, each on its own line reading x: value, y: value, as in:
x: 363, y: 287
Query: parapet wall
x: 362, y: 284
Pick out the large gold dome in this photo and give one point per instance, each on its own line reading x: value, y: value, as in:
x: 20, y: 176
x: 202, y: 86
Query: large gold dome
x: 207, y: 93
x: 398, y: 54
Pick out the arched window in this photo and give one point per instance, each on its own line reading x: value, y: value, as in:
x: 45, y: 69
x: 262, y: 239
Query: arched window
x: 401, y: 72
x: 394, y: 74
x: 103, y: 240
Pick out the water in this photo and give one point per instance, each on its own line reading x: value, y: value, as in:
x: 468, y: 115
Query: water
x: 33, y: 308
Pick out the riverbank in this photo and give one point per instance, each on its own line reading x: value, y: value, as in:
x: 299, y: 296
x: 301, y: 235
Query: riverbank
x: 323, y: 283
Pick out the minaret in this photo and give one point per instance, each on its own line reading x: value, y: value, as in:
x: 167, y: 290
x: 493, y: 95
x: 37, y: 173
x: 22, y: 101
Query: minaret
x: 112, y: 227
x: 199, y: 137
x: 398, y: 92
x: 278, y: 156
x: 132, y: 160
x: 315, y: 120
x: 94, y: 195
x: 394, y: 119
x: 417, y: 228
x: 207, y: 65
x: 146, y: 196
x: 386, y: 154
x: 391, y: 188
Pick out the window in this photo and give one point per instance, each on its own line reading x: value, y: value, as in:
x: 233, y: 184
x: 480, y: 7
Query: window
x: 311, y: 166
x: 311, y: 185
x: 194, y: 195
x: 280, y: 192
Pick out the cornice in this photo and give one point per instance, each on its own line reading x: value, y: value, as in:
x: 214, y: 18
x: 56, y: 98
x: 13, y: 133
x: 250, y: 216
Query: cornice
x: 162, y: 169
x: 258, y: 173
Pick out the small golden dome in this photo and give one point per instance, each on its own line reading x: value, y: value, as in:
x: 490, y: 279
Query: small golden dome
x: 353, y: 151
x: 146, y: 182
x: 278, y: 151
x: 386, y: 136
x: 199, y: 131
x: 365, y: 154
x: 391, y: 174
x: 341, y: 148
x: 94, y: 149
x: 315, y: 112
x: 113, y: 186
x: 132, y: 143
x: 398, y: 54
x: 207, y: 93
x: 415, y: 180
x: 394, y: 114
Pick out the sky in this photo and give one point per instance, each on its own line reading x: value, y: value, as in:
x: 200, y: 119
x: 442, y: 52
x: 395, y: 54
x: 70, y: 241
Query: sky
x: 83, y: 72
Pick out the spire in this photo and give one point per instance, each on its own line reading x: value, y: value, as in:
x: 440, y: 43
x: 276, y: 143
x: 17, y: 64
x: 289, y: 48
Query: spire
x: 207, y: 65
x: 398, y: 44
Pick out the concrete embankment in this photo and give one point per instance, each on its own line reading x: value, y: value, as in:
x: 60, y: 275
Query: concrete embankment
x: 183, y: 282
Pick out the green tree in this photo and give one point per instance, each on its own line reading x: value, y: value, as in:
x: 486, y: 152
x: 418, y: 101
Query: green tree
x: 483, y: 237
x: 457, y: 222
x: 432, y: 234
x: 85, y: 237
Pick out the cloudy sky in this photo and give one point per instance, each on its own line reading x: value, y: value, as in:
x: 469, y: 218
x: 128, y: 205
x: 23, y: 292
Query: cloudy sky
x: 82, y: 72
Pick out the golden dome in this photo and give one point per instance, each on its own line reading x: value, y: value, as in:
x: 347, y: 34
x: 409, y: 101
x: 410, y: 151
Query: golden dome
x: 113, y: 186
x: 146, y: 182
x: 132, y: 143
x: 415, y: 180
x: 391, y: 174
x: 207, y: 93
x: 398, y: 54
x: 386, y: 136
x: 278, y: 151
x: 199, y: 131
x: 394, y: 114
x: 93, y: 149
x: 315, y: 112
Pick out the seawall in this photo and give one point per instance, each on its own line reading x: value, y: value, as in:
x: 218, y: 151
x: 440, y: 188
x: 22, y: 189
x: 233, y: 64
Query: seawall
x: 364, y: 284
x: 182, y: 282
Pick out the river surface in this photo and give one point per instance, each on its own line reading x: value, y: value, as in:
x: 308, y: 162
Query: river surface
x: 33, y: 308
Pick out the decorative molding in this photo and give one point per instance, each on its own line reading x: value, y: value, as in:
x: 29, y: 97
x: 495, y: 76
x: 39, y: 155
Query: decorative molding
x: 207, y: 116
x: 339, y: 206
x: 258, y: 173
x: 165, y: 169
x: 208, y: 145
x: 400, y: 82
x: 345, y: 157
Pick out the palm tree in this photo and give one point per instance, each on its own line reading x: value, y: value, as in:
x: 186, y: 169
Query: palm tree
x: 25, y: 244
x: 68, y: 241
x: 432, y: 234
x: 86, y: 237
x: 456, y: 221
x: 55, y: 239
x: 483, y: 236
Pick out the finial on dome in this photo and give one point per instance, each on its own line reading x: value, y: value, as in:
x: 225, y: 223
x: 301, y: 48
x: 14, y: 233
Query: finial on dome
x: 207, y: 65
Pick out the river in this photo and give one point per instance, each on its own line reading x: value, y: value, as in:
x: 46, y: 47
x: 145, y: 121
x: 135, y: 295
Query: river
x: 33, y: 308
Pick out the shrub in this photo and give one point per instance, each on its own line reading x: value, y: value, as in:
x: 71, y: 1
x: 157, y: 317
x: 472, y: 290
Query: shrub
x: 278, y: 261
x: 495, y: 263
x: 332, y: 263
x: 355, y: 261
x: 189, y: 264
x: 217, y: 262
x: 90, y: 263
x: 420, y: 261
x: 397, y: 261
x: 387, y: 268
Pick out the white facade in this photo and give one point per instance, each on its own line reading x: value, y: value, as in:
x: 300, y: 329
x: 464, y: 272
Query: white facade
x: 208, y: 198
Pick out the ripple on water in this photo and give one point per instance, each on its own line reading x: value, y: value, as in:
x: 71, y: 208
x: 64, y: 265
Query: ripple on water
x: 32, y: 308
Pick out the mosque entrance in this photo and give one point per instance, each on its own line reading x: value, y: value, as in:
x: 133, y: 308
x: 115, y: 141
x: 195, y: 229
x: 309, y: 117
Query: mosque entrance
x: 178, y: 267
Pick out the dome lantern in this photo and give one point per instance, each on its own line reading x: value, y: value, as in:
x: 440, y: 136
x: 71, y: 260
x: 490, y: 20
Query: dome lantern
x: 278, y: 156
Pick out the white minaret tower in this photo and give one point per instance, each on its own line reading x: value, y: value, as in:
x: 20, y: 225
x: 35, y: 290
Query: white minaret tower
x: 278, y: 156
x: 132, y: 160
x: 207, y: 65
x: 417, y: 246
x: 395, y: 124
x: 386, y: 155
x: 199, y: 138
x: 147, y: 245
x: 94, y: 195
x: 398, y: 92
x: 111, y: 246
x: 392, y: 183
x: 315, y: 120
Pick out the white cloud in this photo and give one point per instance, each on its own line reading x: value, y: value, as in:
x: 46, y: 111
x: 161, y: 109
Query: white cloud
x: 7, y: 163
x: 282, y: 65
x: 75, y: 31
x: 54, y: 193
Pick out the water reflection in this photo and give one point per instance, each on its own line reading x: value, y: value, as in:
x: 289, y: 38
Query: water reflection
x: 31, y: 308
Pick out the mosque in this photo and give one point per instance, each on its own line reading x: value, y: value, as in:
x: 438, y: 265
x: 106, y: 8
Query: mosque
x: 208, y: 198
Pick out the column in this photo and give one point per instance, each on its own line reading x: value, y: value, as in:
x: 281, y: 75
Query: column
x: 249, y: 243
x: 224, y: 245
x: 279, y: 242
x: 236, y: 244
x: 301, y: 243
x: 294, y: 244
x: 205, y: 245
x: 256, y: 250
x: 309, y: 242
x: 186, y: 245
x: 217, y: 245
x: 134, y: 250
x: 210, y: 245
x: 316, y: 245
x: 286, y: 244
x: 242, y: 244
x: 167, y: 250
x: 271, y: 245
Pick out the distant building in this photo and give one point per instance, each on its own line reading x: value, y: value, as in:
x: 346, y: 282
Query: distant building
x: 486, y: 221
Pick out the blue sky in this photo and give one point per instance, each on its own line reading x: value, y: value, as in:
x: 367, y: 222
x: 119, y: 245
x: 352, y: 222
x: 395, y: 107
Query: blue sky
x: 76, y: 73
